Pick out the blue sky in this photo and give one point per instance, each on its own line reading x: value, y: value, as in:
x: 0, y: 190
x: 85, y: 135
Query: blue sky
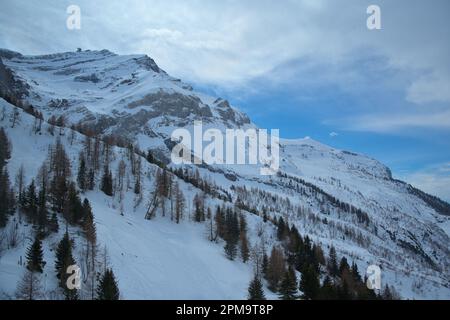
x: 308, y: 67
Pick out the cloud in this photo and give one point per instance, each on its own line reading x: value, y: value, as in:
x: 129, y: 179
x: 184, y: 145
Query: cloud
x: 333, y: 134
x: 229, y: 43
x: 391, y: 123
x: 430, y: 88
x: 434, y: 180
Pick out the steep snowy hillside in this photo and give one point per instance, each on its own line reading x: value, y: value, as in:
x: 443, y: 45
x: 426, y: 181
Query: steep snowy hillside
x: 155, y: 259
x: 337, y: 198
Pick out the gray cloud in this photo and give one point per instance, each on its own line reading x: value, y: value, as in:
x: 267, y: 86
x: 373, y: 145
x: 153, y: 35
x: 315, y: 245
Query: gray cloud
x: 435, y: 180
x: 230, y: 43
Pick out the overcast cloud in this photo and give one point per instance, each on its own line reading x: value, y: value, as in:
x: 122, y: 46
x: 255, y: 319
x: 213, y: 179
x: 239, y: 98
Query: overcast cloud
x: 229, y: 43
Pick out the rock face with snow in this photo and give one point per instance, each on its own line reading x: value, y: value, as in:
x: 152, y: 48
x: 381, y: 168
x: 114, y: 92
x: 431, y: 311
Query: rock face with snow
x: 123, y: 95
x: 337, y: 197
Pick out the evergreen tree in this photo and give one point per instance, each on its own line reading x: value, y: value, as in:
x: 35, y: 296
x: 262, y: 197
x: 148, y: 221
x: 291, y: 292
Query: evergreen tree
x: 73, y: 208
x: 107, y: 184
x: 309, y: 283
x: 343, y: 266
x: 53, y: 225
x: 245, y: 251
x: 34, y: 255
x: 332, y: 263
x: 5, y: 148
x: 91, y: 179
x: 64, y: 257
x: 355, y: 272
x: 220, y: 222
x: 288, y: 285
x: 107, y: 288
x: 88, y: 223
x: 231, y: 234
x: 20, y: 184
x: 230, y: 249
x: 281, y: 230
x: 344, y: 291
x: 31, y: 202
x: 255, y: 289
x: 327, y: 291
x: 7, y: 197
x: 265, y: 264
x: 42, y: 213
x: 199, y: 208
x: 386, y: 295
x: 81, y: 177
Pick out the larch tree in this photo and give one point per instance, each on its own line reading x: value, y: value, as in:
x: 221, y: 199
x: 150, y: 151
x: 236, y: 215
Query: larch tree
x: 30, y: 286
x: 275, y: 269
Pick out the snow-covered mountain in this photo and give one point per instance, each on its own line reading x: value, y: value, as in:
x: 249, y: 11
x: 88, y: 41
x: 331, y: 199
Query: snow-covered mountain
x: 336, y: 197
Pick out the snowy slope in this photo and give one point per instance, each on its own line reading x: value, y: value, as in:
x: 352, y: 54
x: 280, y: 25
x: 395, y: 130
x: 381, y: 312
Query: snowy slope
x: 155, y: 259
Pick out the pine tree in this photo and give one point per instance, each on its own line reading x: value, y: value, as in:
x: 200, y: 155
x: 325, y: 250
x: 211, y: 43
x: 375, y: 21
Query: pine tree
x: 265, y: 264
x: 255, y: 289
x: 343, y: 266
x: 327, y: 291
x: 230, y: 249
x: 91, y: 245
x: 288, y: 285
x: 35, y: 260
x: 281, y: 230
x: 309, y: 283
x: 199, y: 208
x: 30, y: 202
x: 107, y: 185
x: 7, y: 197
x: 386, y: 295
x: 64, y: 257
x: 42, y: 212
x: 81, y: 177
x: 53, y: 224
x: 5, y: 148
x: 107, y: 288
x: 355, y: 272
x: 245, y: 251
x: 332, y: 263
x: 220, y: 222
x: 20, y: 184
x: 73, y: 208
x: 91, y: 179
x: 231, y: 234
